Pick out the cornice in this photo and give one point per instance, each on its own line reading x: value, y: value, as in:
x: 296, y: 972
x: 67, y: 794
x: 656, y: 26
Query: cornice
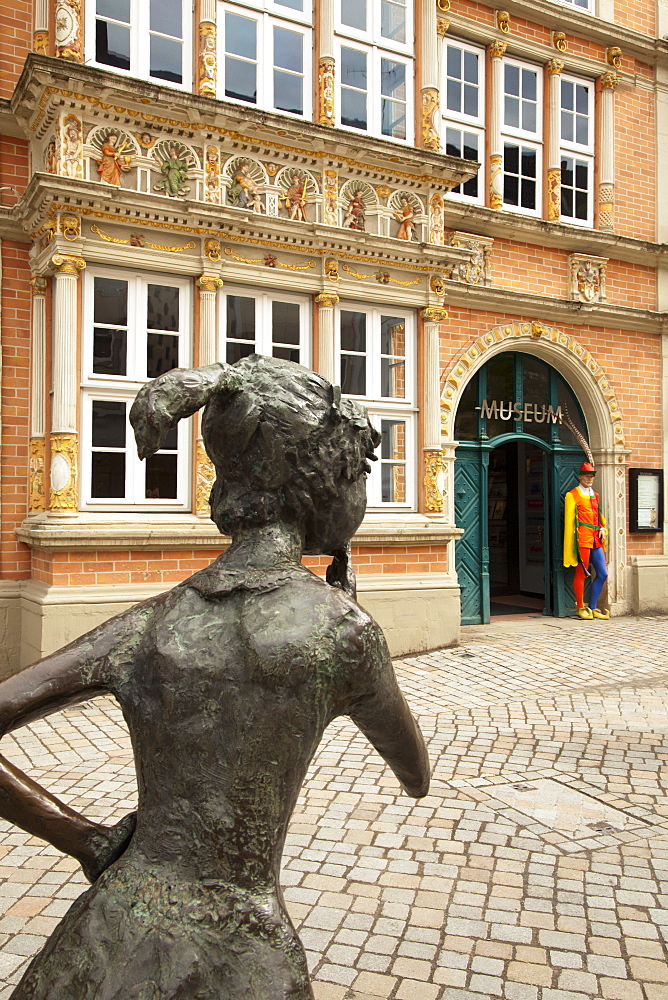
x: 575, y: 23
x: 510, y: 302
x: 11, y: 227
x: 501, y: 224
x: 147, y: 105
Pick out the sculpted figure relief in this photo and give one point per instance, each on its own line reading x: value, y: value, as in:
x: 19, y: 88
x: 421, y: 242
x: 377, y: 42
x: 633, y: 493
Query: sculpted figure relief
x: 113, y: 160
x: 227, y: 683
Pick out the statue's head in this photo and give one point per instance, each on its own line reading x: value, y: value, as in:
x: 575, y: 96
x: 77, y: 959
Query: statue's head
x: 284, y: 444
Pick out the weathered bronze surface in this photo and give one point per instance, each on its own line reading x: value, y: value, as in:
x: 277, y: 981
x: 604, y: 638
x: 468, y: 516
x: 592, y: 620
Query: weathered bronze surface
x: 227, y: 683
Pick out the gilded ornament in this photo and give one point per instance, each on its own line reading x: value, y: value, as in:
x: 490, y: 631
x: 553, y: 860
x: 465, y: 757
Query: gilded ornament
x: 437, y: 219
x: 330, y: 192
x: 63, y: 263
x: 40, y: 43
x: 205, y: 478
x: 430, y: 105
x: 72, y: 147
x: 434, y: 314
x: 70, y: 227
x: 554, y: 194
x: 326, y: 91
x: 68, y: 30
x: 209, y: 282
x: 497, y: 49
x: 555, y: 66
x: 207, y: 59
x: 536, y: 330
x: 212, y: 249
x: 64, y: 460
x: 175, y: 161
x: 495, y: 180
x: 332, y: 269
x: 443, y: 5
x: 383, y: 191
x: 503, y: 21
x: 434, y: 469
x: 437, y: 285
x: 610, y: 80
x: 442, y: 26
x: 269, y: 260
x: 37, y: 496
x: 38, y: 285
x: 614, y: 56
x: 212, y: 190
x: 327, y: 300
x: 559, y: 40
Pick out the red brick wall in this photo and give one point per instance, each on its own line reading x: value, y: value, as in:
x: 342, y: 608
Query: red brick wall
x: 15, y: 41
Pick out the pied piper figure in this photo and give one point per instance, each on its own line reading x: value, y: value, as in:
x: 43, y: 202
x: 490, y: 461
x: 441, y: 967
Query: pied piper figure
x: 585, y: 536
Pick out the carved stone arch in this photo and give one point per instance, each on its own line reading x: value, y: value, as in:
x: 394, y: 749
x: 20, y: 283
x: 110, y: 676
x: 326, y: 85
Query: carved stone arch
x: 305, y: 206
x: 160, y: 151
x: 417, y: 203
x: 126, y: 141
x: 255, y: 168
x: 283, y: 179
x: 368, y: 197
x: 601, y: 409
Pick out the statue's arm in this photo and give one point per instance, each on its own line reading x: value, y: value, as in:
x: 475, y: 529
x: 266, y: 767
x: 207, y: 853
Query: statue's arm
x: 386, y: 720
x: 73, y: 674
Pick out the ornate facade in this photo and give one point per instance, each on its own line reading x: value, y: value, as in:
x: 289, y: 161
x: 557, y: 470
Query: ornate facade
x: 457, y: 193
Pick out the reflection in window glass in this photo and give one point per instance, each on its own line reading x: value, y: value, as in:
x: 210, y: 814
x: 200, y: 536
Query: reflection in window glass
x: 465, y: 144
x: 288, y: 71
x: 161, y: 477
x: 519, y: 175
x: 166, y: 17
x: 393, y: 98
x: 240, y: 58
x: 285, y: 331
x: 354, y: 13
x: 393, y: 20
x: 353, y: 88
x: 393, y: 357
x: 240, y: 328
x: 162, y: 311
x: 109, y: 427
x: 353, y: 352
x: 166, y: 59
x: 107, y: 475
x: 466, y: 422
x: 162, y: 354
x: 501, y: 390
x: 575, y: 184
x: 112, y: 44
x: 393, y: 460
x: 536, y: 390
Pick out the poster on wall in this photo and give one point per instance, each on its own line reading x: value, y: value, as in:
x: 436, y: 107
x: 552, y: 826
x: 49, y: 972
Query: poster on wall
x: 646, y: 501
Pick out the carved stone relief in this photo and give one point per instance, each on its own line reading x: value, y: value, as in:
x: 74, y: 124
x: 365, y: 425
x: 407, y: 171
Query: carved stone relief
x: 587, y: 278
x: 477, y: 270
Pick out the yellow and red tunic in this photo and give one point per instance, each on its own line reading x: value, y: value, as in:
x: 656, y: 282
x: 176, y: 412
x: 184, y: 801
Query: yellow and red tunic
x: 582, y: 520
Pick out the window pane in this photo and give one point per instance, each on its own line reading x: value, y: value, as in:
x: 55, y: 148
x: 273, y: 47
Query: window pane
x: 567, y: 171
x: 393, y: 85
x: 512, y: 80
x: 529, y: 84
x: 453, y: 142
x: 471, y: 67
x: 161, y: 478
x: 119, y: 10
x: 162, y: 308
x: 286, y: 354
x: 166, y: 17
x: 567, y: 202
x: 511, y: 190
x: 537, y: 392
x: 528, y: 162
x: 393, y: 367
x: 285, y: 322
x: 108, y: 475
x: 511, y: 111
x: 466, y: 422
x: 235, y: 352
x: 110, y: 301
x: 353, y: 374
x: 162, y: 354
x: 288, y: 93
x: 393, y: 21
x: 454, y: 62
x: 353, y: 331
x: 582, y: 99
x: 108, y: 424
x: 393, y: 119
x: 353, y: 68
x: 292, y: 4
x: 392, y: 336
x: 566, y: 399
x: 112, y: 45
x: 353, y: 14
x: 240, y: 36
x: 500, y: 389
x: 511, y: 158
x: 353, y: 109
x: 288, y: 50
x: 109, y: 351
x: 241, y: 319
x: 529, y: 116
x: 454, y: 95
x: 581, y: 175
x: 581, y: 205
x: 582, y: 130
x: 567, y: 95
x: 567, y: 126
x: 528, y: 193
x: 470, y: 100
x: 393, y: 447
x: 240, y: 80
x: 166, y: 59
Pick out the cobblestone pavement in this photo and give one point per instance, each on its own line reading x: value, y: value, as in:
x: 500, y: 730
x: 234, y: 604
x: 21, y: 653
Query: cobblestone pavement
x: 536, y: 869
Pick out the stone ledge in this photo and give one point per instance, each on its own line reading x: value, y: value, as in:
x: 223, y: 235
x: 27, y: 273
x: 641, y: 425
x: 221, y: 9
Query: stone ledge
x: 190, y: 532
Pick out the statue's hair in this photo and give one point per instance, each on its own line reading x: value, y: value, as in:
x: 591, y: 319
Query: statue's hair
x: 281, y: 438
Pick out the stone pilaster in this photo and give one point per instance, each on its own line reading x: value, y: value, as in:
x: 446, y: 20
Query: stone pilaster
x: 606, y: 184
x: 326, y: 367
x: 497, y: 51
x: 326, y: 65
x: 37, y: 494
x: 207, y: 69
x: 40, y: 38
x: 208, y: 285
x: 433, y: 468
x: 63, y: 496
x: 429, y: 92
x: 554, y: 68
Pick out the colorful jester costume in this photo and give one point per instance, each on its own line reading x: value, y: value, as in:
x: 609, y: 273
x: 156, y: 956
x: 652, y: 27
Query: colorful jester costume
x: 584, y: 541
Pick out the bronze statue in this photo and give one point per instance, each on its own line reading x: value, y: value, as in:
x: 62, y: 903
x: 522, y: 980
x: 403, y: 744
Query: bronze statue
x: 227, y: 683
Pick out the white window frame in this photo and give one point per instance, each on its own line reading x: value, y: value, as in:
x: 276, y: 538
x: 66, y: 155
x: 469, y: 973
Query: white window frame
x: 580, y: 151
x: 263, y: 327
x: 521, y: 137
x: 587, y: 9
x: 374, y: 103
x: 372, y: 35
x: 124, y: 388
x: 386, y: 408
x: 140, y: 33
x: 473, y: 124
x: 267, y: 16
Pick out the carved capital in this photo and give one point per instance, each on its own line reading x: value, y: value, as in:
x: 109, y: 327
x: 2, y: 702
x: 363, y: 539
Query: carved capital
x: 38, y: 285
x: 497, y: 49
x: 63, y: 263
x: 434, y: 314
x: 442, y: 26
x: 327, y: 300
x: 555, y: 66
x: 209, y: 282
x: 40, y: 42
x: 610, y: 80
x: 64, y: 461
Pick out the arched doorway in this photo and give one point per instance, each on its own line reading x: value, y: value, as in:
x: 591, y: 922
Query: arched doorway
x: 513, y: 463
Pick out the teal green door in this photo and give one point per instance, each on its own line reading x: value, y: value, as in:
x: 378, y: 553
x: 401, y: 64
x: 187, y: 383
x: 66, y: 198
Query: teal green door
x: 561, y: 480
x: 472, y: 552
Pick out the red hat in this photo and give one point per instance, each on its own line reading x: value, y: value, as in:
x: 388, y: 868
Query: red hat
x: 586, y: 469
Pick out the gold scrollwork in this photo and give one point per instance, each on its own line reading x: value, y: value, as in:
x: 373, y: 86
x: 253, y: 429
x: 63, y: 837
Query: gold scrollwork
x: 137, y: 240
x: 356, y: 274
x: 207, y: 59
x: 105, y: 236
x: 383, y: 191
x: 434, y: 467
x: 327, y: 299
x: 430, y: 104
x: 37, y: 497
x: 434, y: 314
x: 383, y: 277
x: 326, y: 91
x: 209, y: 282
x: 67, y: 263
x: 64, y: 460
x: 269, y: 261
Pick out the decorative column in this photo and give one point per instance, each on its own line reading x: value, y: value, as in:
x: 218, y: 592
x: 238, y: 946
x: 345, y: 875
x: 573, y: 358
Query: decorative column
x: 63, y: 497
x: 69, y: 32
x: 40, y: 38
x: 430, y: 101
x: 606, y: 188
x: 37, y: 495
x: 326, y: 65
x: 208, y: 60
x: 497, y: 51
x: 433, y: 477
x: 554, y: 68
x: 326, y: 367
x: 205, y: 474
